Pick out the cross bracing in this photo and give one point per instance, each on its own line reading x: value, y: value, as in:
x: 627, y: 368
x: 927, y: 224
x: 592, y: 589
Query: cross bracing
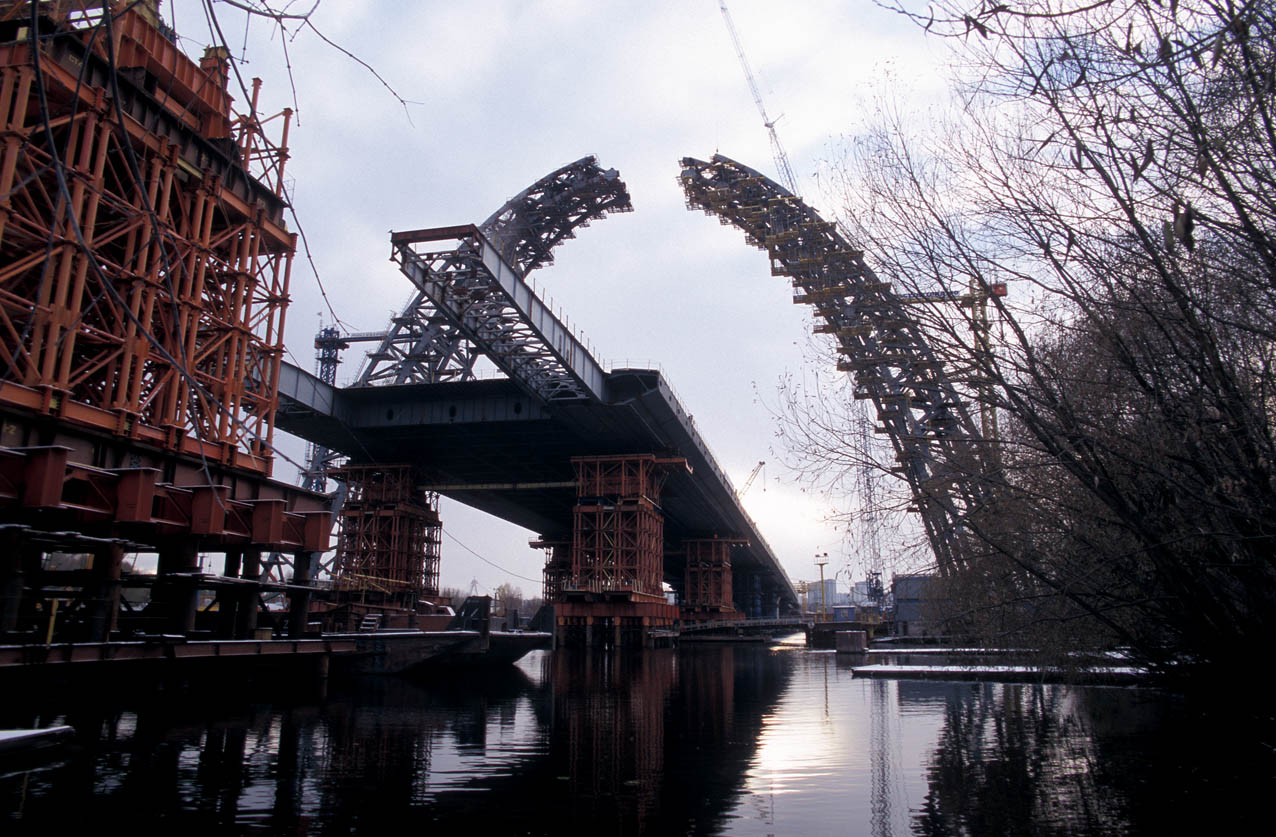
x: 423, y: 344
x: 490, y: 305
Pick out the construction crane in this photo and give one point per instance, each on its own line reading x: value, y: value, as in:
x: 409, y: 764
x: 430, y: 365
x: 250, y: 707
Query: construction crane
x: 752, y: 476
x: 777, y: 150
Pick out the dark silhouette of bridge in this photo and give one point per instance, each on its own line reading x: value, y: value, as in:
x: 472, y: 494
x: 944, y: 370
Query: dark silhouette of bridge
x: 506, y: 446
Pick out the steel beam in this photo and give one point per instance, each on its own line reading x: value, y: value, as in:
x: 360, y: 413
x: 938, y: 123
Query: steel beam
x: 491, y: 305
x: 424, y: 345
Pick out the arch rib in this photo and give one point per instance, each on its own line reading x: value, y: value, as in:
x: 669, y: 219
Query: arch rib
x: 423, y: 344
x: 536, y: 220
x: 933, y: 435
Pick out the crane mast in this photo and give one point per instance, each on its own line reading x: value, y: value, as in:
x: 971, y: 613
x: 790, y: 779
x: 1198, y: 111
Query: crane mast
x: 777, y: 150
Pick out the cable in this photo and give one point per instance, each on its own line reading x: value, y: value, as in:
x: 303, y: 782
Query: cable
x: 215, y: 31
x: 486, y: 561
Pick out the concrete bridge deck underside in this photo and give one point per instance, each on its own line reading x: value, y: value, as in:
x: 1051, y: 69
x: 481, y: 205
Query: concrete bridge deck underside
x: 489, y: 445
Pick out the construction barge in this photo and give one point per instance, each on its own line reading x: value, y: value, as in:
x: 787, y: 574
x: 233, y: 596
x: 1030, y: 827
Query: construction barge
x: 466, y: 640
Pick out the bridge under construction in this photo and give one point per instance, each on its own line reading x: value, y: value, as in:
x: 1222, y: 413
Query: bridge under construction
x: 145, y: 263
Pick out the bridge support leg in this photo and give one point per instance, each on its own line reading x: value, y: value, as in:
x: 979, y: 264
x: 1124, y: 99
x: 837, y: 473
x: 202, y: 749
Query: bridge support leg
x: 246, y: 610
x: 176, y: 594
x: 613, y: 623
x: 707, y: 584
x: 303, y: 568
x: 105, y: 604
x: 11, y: 580
x: 228, y: 600
x: 610, y: 594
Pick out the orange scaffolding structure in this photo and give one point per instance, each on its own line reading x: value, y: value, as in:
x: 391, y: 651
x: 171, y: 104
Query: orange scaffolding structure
x: 389, y: 532
x: 612, y: 593
x: 558, y: 567
x: 707, y: 590
x: 618, y: 532
x: 144, y: 258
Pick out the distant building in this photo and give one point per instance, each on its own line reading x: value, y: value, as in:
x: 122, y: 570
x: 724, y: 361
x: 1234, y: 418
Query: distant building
x: 911, y: 594
x: 861, y: 594
x: 811, y: 603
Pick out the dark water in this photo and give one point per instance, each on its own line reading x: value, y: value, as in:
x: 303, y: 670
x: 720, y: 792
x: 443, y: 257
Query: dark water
x: 722, y: 740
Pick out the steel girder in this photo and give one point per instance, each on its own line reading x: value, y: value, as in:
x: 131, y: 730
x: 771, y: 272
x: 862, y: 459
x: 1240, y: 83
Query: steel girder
x: 488, y: 304
x: 423, y: 344
x: 420, y: 347
x: 933, y: 434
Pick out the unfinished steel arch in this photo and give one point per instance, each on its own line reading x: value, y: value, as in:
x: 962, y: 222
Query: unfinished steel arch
x: 423, y: 345
x: 469, y: 301
x: 936, y: 441
x: 536, y: 220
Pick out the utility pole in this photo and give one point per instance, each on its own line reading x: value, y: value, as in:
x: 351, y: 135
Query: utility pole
x: 820, y: 561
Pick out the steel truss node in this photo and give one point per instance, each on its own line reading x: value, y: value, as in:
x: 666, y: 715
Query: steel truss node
x: 893, y: 365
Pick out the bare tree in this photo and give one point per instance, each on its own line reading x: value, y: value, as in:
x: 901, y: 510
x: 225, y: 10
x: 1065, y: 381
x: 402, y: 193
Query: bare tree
x: 1113, y: 163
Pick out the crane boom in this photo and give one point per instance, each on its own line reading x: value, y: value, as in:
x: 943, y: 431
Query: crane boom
x: 752, y: 476
x: 777, y: 149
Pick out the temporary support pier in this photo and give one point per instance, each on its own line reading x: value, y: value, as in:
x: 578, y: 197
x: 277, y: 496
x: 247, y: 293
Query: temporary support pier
x: 144, y: 270
x: 613, y: 594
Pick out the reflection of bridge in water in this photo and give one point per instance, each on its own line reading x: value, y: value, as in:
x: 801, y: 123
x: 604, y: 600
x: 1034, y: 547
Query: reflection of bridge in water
x: 657, y: 742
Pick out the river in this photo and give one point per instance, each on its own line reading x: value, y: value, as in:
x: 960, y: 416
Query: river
x: 743, y: 740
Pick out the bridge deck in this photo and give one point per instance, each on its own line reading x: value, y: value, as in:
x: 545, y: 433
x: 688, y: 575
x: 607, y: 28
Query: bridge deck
x: 489, y: 445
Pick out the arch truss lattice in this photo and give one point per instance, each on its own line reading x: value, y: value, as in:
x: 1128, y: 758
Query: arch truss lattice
x: 936, y: 442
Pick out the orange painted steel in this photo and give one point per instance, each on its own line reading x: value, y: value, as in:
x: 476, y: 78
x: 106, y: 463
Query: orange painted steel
x: 634, y: 476
x: 144, y: 263
x: 390, y: 531
x: 135, y: 502
x: 707, y: 592
x: 618, y: 533
x: 558, y: 567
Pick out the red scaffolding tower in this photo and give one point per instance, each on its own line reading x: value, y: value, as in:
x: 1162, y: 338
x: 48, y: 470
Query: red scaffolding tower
x: 144, y: 261
x: 144, y: 270
x: 618, y: 532
x: 613, y: 593
x: 707, y: 589
x: 390, y: 534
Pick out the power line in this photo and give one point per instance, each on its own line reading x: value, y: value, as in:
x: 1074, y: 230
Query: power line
x: 486, y: 561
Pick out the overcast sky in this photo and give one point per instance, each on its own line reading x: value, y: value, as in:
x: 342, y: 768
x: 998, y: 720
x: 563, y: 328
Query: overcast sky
x: 504, y: 92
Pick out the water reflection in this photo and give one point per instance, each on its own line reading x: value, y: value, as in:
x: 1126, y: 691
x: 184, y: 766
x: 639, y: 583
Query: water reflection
x: 1011, y: 761
x: 708, y: 740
